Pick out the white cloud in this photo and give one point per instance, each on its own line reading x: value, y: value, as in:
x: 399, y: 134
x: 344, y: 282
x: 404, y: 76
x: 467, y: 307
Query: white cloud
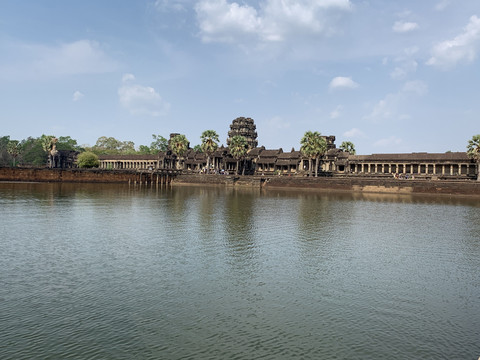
x: 341, y: 82
x: 354, y: 133
x: 463, y: 47
x: 224, y: 22
x: 77, y: 95
x: 275, y: 20
x: 403, y: 27
x: 41, y: 61
x: 142, y: 100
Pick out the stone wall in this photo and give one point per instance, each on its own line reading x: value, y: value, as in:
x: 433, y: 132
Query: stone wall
x: 67, y: 175
x: 388, y: 185
x: 385, y: 185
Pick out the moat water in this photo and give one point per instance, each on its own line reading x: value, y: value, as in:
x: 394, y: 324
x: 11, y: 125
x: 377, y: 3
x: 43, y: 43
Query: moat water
x: 119, y: 272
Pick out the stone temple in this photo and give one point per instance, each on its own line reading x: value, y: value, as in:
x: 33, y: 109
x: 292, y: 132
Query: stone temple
x: 244, y: 127
x: 334, y: 162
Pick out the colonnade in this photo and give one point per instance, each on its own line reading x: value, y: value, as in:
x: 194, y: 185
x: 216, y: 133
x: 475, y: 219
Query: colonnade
x: 413, y: 168
x: 130, y: 164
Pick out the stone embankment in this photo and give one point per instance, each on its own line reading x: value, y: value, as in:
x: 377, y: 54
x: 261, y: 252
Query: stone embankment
x: 83, y: 175
x: 353, y: 183
x: 358, y: 184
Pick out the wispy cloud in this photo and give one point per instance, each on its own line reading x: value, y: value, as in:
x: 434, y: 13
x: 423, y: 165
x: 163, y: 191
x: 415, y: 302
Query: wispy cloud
x: 390, y: 142
x: 392, y: 106
x: 442, y: 5
x: 404, y: 27
x: 335, y: 113
x: 354, y: 133
x: 27, y: 61
x: 77, y: 96
x: 463, y: 47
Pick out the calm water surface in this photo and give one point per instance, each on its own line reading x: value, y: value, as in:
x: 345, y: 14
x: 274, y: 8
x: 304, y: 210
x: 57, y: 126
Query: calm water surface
x: 117, y: 272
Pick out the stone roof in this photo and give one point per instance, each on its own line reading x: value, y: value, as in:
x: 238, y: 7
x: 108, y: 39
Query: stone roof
x: 135, y: 157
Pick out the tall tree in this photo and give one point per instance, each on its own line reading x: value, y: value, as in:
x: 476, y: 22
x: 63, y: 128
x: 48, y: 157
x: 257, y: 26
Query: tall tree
x: 4, y: 155
x: 111, y: 146
x: 32, y: 152
x: 313, y: 145
x: 209, y: 144
x: 13, y: 149
x: 179, y: 146
x: 144, y: 150
x: 349, y: 147
x: 158, y: 144
x: 67, y: 143
x: 238, y: 148
x: 49, y: 146
x: 473, y: 151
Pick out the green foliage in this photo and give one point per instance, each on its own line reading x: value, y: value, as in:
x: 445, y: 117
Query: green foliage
x: 198, y: 148
x: 209, y: 145
x: 210, y: 141
x: 473, y: 147
x: 67, y: 143
x: 33, y: 152
x: 111, y: 146
x: 313, y: 145
x: 13, y: 148
x: 144, y: 150
x: 348, y: 146
x: 87, y: 159
x: 4, y: 155
x: 158, y: 144
x: 179, y: 145
x: 238, y: 146
x: 473, y: 151
x: 47, y: 142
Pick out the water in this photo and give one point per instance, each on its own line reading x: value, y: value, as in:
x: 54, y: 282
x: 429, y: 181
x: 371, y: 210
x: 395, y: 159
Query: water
x: 118, y: 272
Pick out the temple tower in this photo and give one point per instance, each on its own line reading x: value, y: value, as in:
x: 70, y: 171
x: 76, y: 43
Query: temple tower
x: 246, y: 128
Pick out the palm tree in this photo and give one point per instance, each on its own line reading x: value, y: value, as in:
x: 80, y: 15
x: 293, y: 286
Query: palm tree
x: 313, y: 145
x: 13, y: 148
x: 48, y: 145
x: 209, y: 144
x: 179, y: 146
x: 473, y: 152
x: 238, y: 148
x: 348, y: 146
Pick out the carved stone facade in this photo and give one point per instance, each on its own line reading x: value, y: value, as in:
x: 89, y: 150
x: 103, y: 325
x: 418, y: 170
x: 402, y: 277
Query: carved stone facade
x: 244, y: 127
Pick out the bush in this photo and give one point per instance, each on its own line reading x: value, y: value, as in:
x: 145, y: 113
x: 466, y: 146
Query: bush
x: 88, y: 159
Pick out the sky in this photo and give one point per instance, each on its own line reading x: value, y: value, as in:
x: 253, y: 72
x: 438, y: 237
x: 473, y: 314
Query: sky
x: 393, y: 76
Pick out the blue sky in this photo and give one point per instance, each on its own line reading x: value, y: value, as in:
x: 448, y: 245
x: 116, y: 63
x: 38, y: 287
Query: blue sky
x: 390, y: 76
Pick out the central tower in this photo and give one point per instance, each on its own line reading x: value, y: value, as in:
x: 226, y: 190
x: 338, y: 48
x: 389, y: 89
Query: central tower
x: 246, y: 128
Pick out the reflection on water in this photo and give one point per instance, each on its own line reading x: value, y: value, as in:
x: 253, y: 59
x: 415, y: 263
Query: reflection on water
x: 118, y: 271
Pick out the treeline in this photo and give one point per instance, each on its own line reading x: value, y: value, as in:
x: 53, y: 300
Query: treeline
x: 34, y: 151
